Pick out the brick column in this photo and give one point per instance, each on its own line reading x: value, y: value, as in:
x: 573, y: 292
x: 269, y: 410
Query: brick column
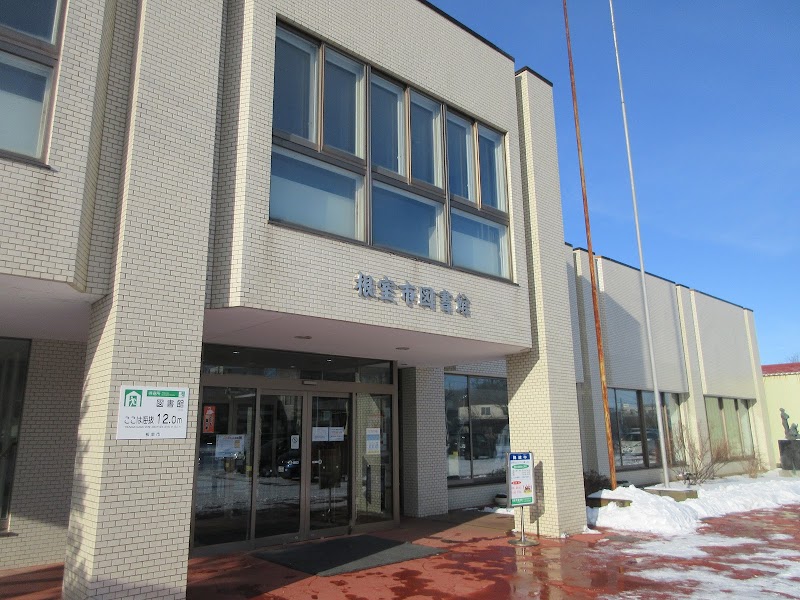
x: 424, y: 439
x: 543, y: 407
x: 131, y: 501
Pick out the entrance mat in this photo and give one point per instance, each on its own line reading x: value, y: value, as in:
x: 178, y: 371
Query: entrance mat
x: 346, y: 554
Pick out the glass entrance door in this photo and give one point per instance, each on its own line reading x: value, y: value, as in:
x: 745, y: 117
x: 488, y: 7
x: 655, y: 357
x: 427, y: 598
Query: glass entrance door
x: 278, y: 479
x: 272, y: 465
x: 329, y: 497
x: 223, y: 483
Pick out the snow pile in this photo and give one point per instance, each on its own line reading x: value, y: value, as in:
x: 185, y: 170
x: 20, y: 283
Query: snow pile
x: 664, y: 516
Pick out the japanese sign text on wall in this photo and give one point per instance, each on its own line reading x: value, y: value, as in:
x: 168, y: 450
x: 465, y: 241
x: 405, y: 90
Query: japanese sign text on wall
x: 152, y: 413
x: 387, y: 290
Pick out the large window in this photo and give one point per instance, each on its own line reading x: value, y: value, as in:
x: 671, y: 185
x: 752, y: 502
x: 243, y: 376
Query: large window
x: 366, y: 158
x: 476, y: 411
x: 28, y: 56
x: 674, y: 425
x: 634, y: 428
x: 729, y: 425
x: 13, y: 374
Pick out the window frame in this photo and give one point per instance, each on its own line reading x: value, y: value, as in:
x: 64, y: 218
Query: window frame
x: 5, y: 522
x: 456, y: 482
x: 47, y: 54
x: 402, y: 179
x: 640, y: 406
x: 738, y: 403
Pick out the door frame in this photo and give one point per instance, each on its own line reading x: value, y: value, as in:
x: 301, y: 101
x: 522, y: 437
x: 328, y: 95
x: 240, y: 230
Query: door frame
x: 307, y: 389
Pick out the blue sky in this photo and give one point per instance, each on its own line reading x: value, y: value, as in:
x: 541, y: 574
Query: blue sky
x: 712, y: 91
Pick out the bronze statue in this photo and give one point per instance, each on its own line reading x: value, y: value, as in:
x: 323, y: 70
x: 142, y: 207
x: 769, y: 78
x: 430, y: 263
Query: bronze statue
x: 790, y: 432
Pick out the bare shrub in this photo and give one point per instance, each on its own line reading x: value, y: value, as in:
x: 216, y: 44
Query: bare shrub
x: 594, y: 482
x: 702, y: 461
x: 754, y: 465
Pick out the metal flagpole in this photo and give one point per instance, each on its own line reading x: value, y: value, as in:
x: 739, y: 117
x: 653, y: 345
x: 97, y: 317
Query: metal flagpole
x: 661, y: 438
x: 612, y: 467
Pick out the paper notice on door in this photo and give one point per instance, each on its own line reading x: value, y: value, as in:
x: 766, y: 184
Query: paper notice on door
x: 295, y: 442
x: 230, y: 446
x: 336, y: 434
x: 373, y: 440
x: 319, y: 434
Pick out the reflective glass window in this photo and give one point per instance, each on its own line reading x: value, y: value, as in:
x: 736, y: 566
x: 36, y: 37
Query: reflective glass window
x: 732, y: 428
x: 426, y: 144
x: 716, y: 426
x: 460, y: 158
x: 672, y: 407
x: 36, y: 18
x: 492, y: 168
x: 24, y: 90
x: 314, y: 194
x: 742, y: 409
x: 13, y: 375
x: 295, y: 95
x: 343, y: 118
x: 476, y: 414
x: 630, y: 429
x: 652, y: 444
x: 406, y: 222
x: 388, y: 125
x: 479, y: 244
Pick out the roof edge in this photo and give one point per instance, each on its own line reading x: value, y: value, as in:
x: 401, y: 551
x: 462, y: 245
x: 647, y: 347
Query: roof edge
x: 472, y: 32
x: 535, y: 74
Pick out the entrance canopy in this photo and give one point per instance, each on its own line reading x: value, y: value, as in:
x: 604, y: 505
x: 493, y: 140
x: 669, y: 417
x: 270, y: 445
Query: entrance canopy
x: 282, y: 331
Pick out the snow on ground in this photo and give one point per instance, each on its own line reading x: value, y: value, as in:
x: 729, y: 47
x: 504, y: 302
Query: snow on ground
x: 688, y: 564
x: 664, y: 516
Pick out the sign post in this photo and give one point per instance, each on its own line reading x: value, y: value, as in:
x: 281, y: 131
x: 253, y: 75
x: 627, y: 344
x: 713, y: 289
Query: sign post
x: 521, y: 490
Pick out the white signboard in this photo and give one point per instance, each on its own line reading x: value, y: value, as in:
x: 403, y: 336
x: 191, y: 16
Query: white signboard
x: 336, y: 434
x: 373, y: 440
x: 319, y: 434
x: 152, y: 413
x: 230, y: 446
x: 295, y: 442
x: 519, y: 477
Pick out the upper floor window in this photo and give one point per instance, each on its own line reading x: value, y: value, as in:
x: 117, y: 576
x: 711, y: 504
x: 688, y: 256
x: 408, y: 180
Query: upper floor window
x: 364, y: 157
x: 28, y: 56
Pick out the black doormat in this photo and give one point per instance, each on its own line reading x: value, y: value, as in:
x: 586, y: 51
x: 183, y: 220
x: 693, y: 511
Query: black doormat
x: 345, y: 554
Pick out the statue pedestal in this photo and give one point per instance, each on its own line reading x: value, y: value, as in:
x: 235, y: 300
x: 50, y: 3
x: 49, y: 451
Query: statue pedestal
x: 790, y: 454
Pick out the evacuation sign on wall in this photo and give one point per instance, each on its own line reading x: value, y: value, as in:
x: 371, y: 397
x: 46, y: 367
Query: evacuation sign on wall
x: 519, y: 477
x: 147, y: 413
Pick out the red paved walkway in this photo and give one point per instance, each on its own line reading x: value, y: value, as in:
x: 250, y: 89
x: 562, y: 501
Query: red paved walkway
x: 743, y: 556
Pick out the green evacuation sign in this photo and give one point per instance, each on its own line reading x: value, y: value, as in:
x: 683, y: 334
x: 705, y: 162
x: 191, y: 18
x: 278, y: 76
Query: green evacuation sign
x: 519, y: 478
x: 147, y: 413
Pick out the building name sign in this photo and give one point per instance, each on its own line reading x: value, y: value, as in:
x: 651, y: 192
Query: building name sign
x: 147, y: 413
x: 387, y: 290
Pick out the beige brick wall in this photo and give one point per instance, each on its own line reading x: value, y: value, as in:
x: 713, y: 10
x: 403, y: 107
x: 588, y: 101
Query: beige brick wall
x: 473, y: 496
x: 723, y: 348
x: 45, y: 459
x: 543, y: 407
x: 423, y: 442
x: 270, y: 267
x: 47, y: 210
x: 593, y: 430
x: 131, y: 502
x: 625, y: 333
x: 572, y: 283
